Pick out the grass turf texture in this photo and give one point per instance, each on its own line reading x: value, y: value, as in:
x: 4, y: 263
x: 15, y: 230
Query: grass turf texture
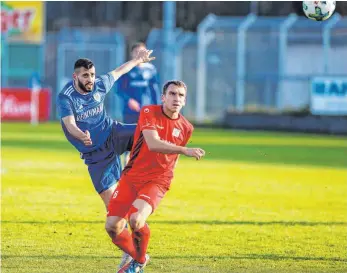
x: 258, y: 202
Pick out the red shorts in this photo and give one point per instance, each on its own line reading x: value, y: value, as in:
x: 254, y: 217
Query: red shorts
x: 127, y: 192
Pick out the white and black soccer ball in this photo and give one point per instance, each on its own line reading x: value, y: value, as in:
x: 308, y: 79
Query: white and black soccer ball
x: 318, y: 10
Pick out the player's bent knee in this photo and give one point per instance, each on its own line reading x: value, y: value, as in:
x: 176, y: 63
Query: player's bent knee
x: 114, y: 225
x: 137, y: 221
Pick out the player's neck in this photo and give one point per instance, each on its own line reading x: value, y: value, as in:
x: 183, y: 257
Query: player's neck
x: 169, y: 114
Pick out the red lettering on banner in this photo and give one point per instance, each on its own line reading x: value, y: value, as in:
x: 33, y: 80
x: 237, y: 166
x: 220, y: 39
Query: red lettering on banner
x: 16, y: 104
x: 17, y: 19
x: 4, y: 25
x: 12, y: 107
x: 27, y: 18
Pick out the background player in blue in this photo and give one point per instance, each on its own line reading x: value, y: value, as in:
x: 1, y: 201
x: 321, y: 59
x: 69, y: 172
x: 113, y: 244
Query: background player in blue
x: 98, y: 138
x: 138, y: 87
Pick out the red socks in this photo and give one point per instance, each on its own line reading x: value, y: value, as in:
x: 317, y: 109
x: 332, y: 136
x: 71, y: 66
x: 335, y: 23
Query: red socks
x: 136, y: 244
x: 125, y: 243
x: 141, y: 240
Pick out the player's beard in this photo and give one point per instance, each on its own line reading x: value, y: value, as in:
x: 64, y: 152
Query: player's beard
x: 83, y: 87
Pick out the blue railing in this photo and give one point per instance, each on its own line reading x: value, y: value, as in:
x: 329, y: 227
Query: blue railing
x: 264, y: 62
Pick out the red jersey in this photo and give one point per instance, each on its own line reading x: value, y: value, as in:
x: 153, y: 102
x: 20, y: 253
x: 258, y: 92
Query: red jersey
x: 146, y: 165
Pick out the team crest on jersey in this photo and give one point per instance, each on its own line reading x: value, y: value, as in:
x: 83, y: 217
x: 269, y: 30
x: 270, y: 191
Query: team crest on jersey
x: 176, y: 132
x: 97, y: 97
x: 146, y: 110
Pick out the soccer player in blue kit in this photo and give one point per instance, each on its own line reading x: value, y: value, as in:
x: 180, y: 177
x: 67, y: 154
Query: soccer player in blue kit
x: 138, y: 87
x: 99, y: 139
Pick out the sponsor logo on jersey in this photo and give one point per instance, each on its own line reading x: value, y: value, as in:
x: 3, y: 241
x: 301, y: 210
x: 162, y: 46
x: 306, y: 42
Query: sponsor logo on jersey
x: 159, y: 127
x: 91, y: 112
x: 176, y: 132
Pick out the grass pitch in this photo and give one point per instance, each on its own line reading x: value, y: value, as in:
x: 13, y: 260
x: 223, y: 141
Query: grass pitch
x: 258, y: 202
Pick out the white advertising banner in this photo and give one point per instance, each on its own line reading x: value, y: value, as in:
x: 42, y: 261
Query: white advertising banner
x: 329, y: 96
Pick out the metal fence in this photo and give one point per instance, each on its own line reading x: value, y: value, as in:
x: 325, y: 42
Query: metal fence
x: 184, y: 50
x: 19, y: 61
x: 231, y: 63
x: 264, y: 63
x: 104, y: 47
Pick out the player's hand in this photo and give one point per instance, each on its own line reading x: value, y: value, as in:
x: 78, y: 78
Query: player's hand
x: 134, y: 105
x: 86, y: 138
x: 144, y: 56
x: 194, y: 152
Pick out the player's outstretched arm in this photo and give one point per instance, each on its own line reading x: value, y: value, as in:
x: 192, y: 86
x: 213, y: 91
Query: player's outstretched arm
x: 142, y: 57
x: 155, y: 144
x: 71, y: 126
x: 198, y: 153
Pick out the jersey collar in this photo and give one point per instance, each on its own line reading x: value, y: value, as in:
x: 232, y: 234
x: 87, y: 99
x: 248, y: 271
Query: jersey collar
x: 162, y: 110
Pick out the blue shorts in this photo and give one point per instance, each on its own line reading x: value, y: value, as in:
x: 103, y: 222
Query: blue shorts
x: 104, y: 164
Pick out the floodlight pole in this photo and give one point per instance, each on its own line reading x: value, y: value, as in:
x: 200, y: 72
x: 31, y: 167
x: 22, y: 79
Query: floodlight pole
x: 169, y: 24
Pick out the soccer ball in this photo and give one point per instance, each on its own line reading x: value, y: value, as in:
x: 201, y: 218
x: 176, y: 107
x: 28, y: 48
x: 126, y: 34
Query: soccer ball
x: 318, y: 10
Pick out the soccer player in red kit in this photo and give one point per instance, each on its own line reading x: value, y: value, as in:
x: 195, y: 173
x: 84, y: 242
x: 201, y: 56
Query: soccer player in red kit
x: 160, y: 137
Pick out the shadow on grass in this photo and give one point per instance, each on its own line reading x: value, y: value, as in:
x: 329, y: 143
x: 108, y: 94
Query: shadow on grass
x: 273, y: 257
x: 256, y: 257
x: 197, y: 222
x: 280, y: 154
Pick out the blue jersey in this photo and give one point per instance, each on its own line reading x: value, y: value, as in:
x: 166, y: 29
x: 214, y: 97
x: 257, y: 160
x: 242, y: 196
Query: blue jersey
x: 89, y: 112
x: 142, y: 84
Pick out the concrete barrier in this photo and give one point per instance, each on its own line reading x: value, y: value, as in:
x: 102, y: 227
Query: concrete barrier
x: 308, y: 123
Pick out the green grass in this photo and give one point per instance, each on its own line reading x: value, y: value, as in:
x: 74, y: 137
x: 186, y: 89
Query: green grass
x: 258, y: 202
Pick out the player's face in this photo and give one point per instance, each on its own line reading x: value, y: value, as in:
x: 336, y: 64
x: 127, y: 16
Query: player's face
x: 85, y: 78
x: 136, y: 51
x: 174, y: 99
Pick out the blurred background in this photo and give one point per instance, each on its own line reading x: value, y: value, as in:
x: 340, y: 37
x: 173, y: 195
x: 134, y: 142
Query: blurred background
x: 246, y: 64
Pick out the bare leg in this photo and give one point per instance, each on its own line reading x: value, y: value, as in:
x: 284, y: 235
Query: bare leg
x: 115, y: 227
x: 106, y: 197
x: 107, y: 194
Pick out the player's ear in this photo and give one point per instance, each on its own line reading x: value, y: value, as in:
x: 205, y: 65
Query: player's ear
x: 74, y: 76
x: 162, y: 98
x: 184, y: 101
x: 185, y: 98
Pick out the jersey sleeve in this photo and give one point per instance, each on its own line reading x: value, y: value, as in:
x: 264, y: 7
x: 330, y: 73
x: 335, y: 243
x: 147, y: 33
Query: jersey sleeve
x: 147, y: 119
x: 188, y: 136
x: 108, y: 81
x: 64, y: 107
